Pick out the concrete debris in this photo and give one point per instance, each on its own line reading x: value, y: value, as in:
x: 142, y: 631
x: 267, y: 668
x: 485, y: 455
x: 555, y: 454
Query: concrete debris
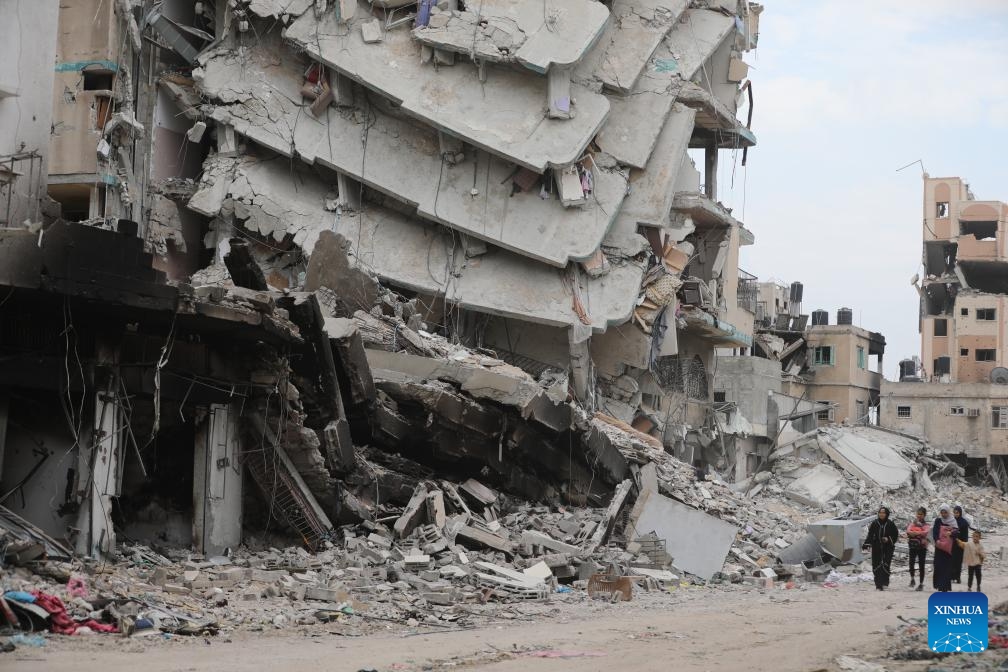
x: 698, y: 542
x: 869, y: 459
x: 819, y: 486
x: 841, y: 537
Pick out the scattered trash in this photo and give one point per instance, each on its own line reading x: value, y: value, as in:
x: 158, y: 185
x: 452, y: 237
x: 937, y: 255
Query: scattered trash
x: 31, y: 641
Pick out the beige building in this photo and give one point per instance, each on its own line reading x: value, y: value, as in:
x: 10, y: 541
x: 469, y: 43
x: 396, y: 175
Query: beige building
x: 842, y: 371
x: 27, y: 45
x: 958, y: 418
x: 85, y: 95
x: 965, y: 284
x: 958, y: 399
x: 839, y: 366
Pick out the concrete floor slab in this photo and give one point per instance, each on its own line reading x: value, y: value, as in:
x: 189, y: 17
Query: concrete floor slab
x: 652, y: 189
x: 635, y: 29
x: 506, y: 31
x: 506, y: 117
x: 635, y: 120
x: 696, y: 39
x: 270, y: 197
x: 406, y: 253
x: 260, y: 92
x: 274, y: 9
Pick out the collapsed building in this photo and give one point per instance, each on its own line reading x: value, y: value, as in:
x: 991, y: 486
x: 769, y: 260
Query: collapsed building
x: 258, y: 215
x: 956, y: 394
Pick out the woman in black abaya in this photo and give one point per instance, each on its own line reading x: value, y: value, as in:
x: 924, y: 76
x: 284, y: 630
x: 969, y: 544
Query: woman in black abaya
x: 882, y: 536
x: 957, y: 551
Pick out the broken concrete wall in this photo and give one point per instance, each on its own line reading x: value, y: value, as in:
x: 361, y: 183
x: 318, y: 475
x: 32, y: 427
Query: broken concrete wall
x: 697, y: 542
x: 749, y: 383
x: 40, y: 457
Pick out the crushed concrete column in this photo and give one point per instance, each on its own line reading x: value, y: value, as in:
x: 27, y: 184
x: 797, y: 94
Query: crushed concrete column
x: 582, y: 372
x: 741, y: 461
x: 100, y: 469
x: 217, y: 482
x: 569, y: 186
x: 452, y: 148
x: 349, y: 192
x: 342, y: 90
x: 710, y: 169
x: 445, y: 56
x: 559, y: 93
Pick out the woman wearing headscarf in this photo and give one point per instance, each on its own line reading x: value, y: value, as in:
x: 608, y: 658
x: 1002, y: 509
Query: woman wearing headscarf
x: 882, y: 536
x: 944, y: 532
x: 957, y: 552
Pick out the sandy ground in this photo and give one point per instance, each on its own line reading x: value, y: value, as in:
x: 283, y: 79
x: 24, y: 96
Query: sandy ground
x: 690, y: 629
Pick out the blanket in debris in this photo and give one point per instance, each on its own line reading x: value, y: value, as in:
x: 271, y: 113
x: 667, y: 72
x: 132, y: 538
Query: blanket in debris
x: 60, y: 621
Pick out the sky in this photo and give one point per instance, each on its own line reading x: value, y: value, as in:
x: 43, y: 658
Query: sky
x: 845, y: 94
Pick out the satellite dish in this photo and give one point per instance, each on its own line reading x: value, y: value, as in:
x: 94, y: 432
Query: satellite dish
x: 999, y: 376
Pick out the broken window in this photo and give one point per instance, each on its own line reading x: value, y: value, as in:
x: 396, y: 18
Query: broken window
x: 825, y: 414
x: 103, y: 111
x: 824, y: 355
x: 985, y: 355
x: 98, y: 80
x: 861, y: 357
x: 957, y: 410
x: 964, y: 352
x: 999, y: 417
x: 941, y: 327
x: 719, y: 396
x: 985, y: 314
x: 979, y: 230
x: 903, y: 412
x: 942, y: 210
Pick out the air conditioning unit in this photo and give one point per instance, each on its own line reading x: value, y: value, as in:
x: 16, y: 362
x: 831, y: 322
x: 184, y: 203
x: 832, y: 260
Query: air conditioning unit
x: 972, y: 412
x: 691, y: 294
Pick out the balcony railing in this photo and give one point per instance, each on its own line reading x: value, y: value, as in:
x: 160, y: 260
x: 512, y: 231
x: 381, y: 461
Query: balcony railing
x: 748, y: 291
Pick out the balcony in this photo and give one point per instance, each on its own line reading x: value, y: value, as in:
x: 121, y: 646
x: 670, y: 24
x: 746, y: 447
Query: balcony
x: 748, y: 291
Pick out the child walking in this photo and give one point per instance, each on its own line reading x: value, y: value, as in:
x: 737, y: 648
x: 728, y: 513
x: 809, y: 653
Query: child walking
x: 973, y: 556
x: 918, y: 532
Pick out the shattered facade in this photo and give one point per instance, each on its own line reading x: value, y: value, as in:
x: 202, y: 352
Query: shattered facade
x: 368, y: 274
x: 956, y: 394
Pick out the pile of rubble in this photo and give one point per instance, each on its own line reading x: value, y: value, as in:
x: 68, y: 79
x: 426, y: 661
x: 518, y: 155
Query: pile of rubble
x: 849, y: 471
x: 910, y: 642
x: 427, y: 482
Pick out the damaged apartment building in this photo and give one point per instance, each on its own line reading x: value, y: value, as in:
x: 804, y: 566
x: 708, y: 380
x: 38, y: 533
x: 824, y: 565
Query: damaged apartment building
x: 956, y: 394
x: 802, y: 374
x: 264, y: 238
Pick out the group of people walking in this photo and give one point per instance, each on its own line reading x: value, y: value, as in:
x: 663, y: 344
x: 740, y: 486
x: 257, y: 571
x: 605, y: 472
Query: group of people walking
x: 954, y: 547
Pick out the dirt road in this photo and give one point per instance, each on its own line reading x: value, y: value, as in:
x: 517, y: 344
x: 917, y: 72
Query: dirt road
x: 691, y: 629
